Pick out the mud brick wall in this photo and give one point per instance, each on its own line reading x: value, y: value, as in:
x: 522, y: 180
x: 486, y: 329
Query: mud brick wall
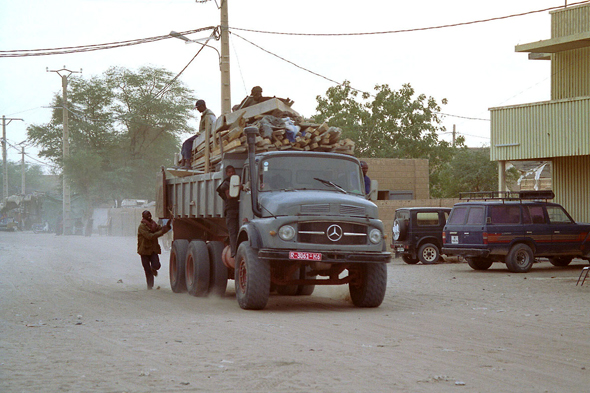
x: 400, y: 175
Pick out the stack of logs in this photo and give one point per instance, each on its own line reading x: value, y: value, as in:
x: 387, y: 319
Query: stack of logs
x: 232, y: 139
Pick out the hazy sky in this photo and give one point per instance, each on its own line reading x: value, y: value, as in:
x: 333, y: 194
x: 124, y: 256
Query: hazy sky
x: 474, y: 66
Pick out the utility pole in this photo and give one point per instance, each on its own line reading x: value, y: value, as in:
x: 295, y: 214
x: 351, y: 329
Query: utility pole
x: 225, y: 77
x: 4, y: 162
x: 454, y: 133
x: 67, y: 206
x: 22, y: 170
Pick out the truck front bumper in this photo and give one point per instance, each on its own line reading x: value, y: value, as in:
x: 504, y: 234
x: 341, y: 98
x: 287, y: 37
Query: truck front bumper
x: 329, y: 256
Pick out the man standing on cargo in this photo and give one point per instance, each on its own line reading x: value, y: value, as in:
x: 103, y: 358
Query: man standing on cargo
x: 231, y: 207
x: 147, y: 245
x: 207, y: 124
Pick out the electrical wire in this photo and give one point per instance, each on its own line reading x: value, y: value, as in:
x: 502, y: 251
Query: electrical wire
x: 411, y: 30
x: 93, y: 47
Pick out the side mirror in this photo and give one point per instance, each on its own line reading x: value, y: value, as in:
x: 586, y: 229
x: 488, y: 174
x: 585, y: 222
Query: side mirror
x: 234, y: 186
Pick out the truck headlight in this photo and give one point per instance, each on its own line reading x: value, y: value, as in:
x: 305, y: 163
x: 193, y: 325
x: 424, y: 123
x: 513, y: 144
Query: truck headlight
x: 287, y: 232
x: 375, y: 236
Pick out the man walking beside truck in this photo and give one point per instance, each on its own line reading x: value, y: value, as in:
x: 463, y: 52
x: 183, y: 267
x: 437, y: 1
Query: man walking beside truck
x: 148, y: 248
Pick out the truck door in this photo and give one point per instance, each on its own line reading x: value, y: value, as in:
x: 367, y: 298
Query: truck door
x: 246, y: 196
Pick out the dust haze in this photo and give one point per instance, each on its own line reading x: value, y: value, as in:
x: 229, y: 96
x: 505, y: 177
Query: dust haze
x: 76, y: 316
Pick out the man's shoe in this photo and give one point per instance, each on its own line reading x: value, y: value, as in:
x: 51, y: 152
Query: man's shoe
x: 154, y: 272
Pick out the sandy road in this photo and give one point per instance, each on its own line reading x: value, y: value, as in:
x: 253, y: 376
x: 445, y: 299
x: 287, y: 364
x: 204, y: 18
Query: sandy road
x: 75, y: 317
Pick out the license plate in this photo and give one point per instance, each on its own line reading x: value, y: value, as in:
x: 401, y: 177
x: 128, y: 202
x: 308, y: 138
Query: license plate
x: 400, y: 249
x: 455, y: 239
x: 305, y: 256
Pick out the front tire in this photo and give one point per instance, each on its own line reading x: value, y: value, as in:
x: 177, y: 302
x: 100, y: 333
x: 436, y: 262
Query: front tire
x: 252, y: 278
x: 197, y: 268
x: 479, y: 263
x: 177, y: 265
x: 368, y: 290
x: 428, y: 253
x: 520, y: 258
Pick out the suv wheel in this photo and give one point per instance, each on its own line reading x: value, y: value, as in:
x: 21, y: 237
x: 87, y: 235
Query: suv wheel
x: 479, y: 263
x: 560, y: 261
x: 520, y: 258
x: 428, y: 254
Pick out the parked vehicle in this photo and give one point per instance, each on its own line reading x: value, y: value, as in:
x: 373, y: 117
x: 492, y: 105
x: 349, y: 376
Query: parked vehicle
x: 514, y: 228
x: 417, y: 233
x: 304, y: 221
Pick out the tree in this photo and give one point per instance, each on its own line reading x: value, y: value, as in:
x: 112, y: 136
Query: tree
x: 120, y: 131
x: 469, y: 171
x: 389, y: 124
x: 34, y: 179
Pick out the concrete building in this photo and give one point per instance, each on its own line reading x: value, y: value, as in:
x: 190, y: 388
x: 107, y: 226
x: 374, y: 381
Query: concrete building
x: 557, y: 130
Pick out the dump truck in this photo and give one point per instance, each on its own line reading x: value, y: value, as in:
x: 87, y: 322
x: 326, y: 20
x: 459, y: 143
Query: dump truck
x: 304, y: 220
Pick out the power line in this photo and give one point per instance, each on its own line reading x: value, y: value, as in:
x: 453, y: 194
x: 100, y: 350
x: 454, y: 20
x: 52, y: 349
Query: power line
x: 118, y: 44
x: 410, y: 30
x: 93, y: 47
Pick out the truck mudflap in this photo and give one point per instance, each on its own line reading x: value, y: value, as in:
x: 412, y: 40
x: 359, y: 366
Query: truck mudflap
x: 325, y: 256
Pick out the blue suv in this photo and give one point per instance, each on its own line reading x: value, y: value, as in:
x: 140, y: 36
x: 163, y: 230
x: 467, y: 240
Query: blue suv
x: 514, y: 228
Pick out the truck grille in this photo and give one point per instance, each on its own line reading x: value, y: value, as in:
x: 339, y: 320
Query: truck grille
x: 332, y: 233
x: 350, y: 210
x: 315, y: 209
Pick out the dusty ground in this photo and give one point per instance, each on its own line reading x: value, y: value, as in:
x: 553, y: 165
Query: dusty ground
x: 75, y: 317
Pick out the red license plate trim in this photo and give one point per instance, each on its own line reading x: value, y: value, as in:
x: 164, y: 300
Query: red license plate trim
x: 305, y: 256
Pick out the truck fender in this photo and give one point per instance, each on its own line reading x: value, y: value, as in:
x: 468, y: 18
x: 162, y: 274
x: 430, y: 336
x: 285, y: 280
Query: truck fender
x: 250, y: 233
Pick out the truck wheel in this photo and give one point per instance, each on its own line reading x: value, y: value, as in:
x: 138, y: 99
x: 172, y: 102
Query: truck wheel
x: 369, y: 289
x: 197, y: 268
x: 428, y: 254
x: 409, y: 260
x: 479, y: 263
x: 177, y: 259
x: 560, y: 261
x: 252, y: 279
x: 520, y: 258
x: 218, y: 271
x: 305, y: 290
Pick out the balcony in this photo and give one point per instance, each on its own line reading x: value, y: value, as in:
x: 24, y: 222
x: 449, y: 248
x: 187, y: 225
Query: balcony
x: 541, y: 130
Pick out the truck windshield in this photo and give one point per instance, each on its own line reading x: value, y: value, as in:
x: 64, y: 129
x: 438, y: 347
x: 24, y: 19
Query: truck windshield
x: 301, y: 173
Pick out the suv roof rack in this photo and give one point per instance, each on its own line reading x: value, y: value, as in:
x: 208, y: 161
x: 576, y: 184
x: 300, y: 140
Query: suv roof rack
x: 507, y: 195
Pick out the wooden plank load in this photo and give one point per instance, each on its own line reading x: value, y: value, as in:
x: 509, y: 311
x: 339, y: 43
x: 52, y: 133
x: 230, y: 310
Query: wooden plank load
x: 281, y: 128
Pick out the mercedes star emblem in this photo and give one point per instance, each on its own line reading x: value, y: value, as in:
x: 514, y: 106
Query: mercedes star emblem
x: 334, y: 232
